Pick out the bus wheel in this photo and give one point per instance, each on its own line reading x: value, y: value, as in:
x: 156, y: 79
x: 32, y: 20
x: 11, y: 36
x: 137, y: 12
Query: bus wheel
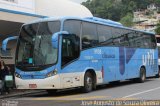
x: 142, y: 77
x: 52, y: 91
x: 88, y: 83
x: 158, y: 75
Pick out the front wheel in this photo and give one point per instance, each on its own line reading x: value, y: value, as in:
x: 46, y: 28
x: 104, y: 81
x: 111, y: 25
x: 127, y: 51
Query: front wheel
x: 88, y: 83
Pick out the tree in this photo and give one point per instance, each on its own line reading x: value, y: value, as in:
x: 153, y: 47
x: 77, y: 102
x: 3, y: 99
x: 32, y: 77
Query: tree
x: 157, y: 30
x: 117, y: 9
x: 127, y: 20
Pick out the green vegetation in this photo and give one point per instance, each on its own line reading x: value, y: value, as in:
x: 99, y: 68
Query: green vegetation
x: 127, y: 20
x: 157, y: 30
x: 118, y: 10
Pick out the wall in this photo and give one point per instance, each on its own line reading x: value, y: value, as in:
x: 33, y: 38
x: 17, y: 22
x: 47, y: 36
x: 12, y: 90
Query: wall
x: 10, y: 21
x: 19, y: 5
x: 56, y: 8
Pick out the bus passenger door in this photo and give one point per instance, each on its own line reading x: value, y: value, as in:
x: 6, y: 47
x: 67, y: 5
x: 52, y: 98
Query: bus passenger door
x: 69, y: 54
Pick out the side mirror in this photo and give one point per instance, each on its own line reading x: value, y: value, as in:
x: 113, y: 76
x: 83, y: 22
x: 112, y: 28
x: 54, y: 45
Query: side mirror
x: 5, y: 42
x: 55, y: 38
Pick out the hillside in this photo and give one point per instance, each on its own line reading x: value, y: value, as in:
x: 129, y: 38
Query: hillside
x: 118, y: 10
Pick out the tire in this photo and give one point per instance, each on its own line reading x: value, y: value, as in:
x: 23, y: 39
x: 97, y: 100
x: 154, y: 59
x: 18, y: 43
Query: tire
x: 158, y: 75
x: 142, y: 76
x: 52, y: 91
x: 88, y: 83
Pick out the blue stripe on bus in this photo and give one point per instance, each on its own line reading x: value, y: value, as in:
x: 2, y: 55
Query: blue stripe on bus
x: 129, y: 53
x: 121, y: 60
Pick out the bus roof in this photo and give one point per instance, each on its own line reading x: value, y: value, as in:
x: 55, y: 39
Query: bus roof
x: 90, y: 19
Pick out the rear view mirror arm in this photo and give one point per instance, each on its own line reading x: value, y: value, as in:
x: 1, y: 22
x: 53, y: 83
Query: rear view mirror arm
x: 5, y: 42
x: 55, y: 38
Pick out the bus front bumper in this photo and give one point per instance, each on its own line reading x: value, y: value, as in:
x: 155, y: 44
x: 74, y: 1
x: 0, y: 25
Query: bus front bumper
x: 47, y: 83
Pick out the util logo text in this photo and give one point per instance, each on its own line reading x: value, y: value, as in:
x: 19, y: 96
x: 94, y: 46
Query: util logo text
x: 148, y: 59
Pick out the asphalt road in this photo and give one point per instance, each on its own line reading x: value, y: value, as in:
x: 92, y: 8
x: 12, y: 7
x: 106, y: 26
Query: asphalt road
x: 127, y: 90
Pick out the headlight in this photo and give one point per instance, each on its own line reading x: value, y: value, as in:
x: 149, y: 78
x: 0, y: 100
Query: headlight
x: 52, y: 73
x: 17, y: 75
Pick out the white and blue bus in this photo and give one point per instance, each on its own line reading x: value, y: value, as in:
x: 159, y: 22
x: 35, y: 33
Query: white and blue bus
x: 158, y: 45
x: 70, y: 52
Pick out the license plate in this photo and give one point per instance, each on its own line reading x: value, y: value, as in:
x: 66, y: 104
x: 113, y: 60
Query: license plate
x: 32, y: 86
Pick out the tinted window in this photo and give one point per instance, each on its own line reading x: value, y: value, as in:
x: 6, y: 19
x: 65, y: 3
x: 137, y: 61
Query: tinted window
x: 141, y: 40
x: 135, y: 39
x: 70, y: 48
x: 89, y: 35
x: 138, y: 40
x: 128, y: 34
x: 124, y: 38
x: 119, y: 37
x: 43, y: 50
x: 116, y: 32
x: 149, y: 41
x: 153, y: 41
x: 73, y: 27
x: 35, y: 47
x: 104, y: 35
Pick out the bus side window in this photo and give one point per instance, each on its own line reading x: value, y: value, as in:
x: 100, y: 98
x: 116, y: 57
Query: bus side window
x: 70, y: 49
x: 89, y: 35
x: 149, y: 41
x: 104, y: 35
x: 153, y: 41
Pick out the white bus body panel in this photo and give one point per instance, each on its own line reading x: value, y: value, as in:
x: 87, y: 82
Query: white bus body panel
x: 60, y: 81
x: 46, y: 83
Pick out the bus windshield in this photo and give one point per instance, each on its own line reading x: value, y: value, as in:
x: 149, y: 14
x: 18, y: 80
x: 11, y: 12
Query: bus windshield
x: 34, y: 49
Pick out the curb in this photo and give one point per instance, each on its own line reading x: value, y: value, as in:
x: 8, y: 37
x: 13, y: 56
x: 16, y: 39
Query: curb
x: 20, y: 94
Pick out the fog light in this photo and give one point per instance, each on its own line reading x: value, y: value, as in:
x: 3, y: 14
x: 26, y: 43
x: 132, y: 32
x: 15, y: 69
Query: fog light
x: 17, y: 75
x: 52, y: 73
